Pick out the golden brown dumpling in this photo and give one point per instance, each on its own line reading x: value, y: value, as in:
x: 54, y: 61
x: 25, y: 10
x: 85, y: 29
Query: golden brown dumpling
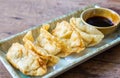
x: 49, y: 59
x: 63, y: 30
x: 48, y: 41
x: 26, y: 61
x: 71, y: 40
x: 89, y: 34
x: 28, y: 36
x: 29, y: 44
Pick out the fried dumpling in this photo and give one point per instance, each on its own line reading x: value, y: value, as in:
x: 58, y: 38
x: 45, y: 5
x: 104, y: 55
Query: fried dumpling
x: 48, y: 41
x: 28, y: 36
x: 62, y: 30
x: 89, y: 34
x: 26, y: 61
x: 71, y: 40
x: 49, y: 59
x: 29, y: 44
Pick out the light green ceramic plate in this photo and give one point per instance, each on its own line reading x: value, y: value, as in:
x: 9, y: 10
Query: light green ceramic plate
x: 65, y: 63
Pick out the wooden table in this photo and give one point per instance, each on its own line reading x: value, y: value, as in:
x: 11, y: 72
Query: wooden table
x: 18, y: 15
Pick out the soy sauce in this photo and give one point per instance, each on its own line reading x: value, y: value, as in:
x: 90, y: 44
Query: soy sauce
x: 99, y: 21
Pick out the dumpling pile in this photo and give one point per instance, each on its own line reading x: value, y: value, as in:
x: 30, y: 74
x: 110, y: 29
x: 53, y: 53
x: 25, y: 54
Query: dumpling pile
x: 30, y: 58
x: 27, y: 61
x: 34, y: 56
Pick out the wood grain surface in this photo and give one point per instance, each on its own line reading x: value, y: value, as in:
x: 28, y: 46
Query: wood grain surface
x: 18, y: 15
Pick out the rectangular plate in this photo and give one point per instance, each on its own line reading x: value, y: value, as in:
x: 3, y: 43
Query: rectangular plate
x: 64, y: 63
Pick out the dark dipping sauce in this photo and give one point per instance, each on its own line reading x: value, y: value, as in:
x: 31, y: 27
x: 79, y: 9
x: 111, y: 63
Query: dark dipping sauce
x: 99, y: 21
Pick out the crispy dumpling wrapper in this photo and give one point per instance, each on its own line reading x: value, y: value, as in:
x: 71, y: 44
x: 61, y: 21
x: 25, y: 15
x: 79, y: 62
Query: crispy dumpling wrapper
x: 28, y: 36
x: 62, y: 30
x: 27, y: 61
x: 89, y: 34
x: 41, y: 52
x: 49, y: 59
x: 71, y: 40
x: 48, y: 41
x: 30, y: 59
